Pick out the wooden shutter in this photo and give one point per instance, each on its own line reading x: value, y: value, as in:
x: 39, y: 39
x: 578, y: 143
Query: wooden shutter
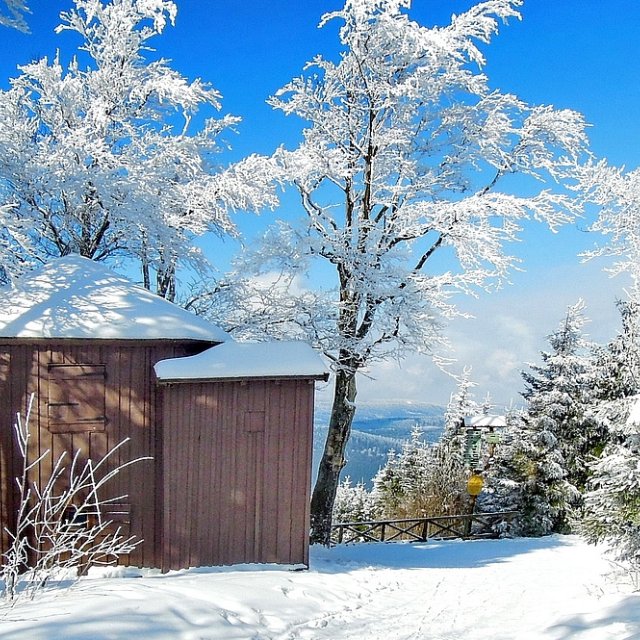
x: 76, y: 400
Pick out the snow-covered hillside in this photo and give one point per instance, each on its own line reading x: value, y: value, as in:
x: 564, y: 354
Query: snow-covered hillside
x: 378, y: 428
x: 554, y: 588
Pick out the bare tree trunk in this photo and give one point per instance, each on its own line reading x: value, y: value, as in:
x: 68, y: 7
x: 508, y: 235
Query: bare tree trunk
x: 166, y: 283
x: 146, y: 277
x: 333, y: 460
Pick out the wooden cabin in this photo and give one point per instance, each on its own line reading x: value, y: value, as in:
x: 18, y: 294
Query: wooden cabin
x: 228, y: 426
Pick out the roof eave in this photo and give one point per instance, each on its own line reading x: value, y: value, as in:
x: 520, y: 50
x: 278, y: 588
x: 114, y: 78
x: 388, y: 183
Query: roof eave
x: 315, y: 377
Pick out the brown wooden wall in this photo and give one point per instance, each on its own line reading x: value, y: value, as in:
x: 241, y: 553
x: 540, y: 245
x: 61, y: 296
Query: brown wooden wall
x: 121, y: 372
x: 237, y: 472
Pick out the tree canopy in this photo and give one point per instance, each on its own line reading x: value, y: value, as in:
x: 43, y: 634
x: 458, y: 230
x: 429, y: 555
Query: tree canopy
x: 101, y: 156
x: 403, y: 179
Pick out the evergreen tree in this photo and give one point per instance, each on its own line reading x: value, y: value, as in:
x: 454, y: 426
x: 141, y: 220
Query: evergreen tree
x: 452, y: 446
x: 548, y: 458
x: 504, y: 486
x: 612, y: 504
x: 563, y: 390
x: 388, y: 487
x: 354, y: 503
x: 400, y: 485
x: 461, y: 405
x: 617, y: 365
x: 423, y: 480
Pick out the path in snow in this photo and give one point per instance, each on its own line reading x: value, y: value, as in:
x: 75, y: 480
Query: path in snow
x: 554, y: 588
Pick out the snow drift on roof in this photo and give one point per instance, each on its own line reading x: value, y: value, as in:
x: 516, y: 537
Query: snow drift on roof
x: 246, y: 360
x: 74, y: 297
x: 485, y: 421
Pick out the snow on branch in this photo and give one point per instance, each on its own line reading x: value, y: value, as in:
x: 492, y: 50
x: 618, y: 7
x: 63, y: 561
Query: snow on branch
x: 13, y: 15
x: 106, y: 161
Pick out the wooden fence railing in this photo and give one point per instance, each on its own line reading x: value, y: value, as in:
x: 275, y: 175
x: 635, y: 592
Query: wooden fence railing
x: 471, y: 526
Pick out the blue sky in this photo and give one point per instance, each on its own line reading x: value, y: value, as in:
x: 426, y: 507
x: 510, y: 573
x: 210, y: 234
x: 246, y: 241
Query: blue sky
x: 579, y: 54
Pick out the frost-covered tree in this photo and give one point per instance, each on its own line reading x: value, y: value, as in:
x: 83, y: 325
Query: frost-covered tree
x: 612, y: 505
x: 545, y: 495
x: 616, y: 192
x: 101, y: 157
x: 563, y: 388
x: 617, y: 364
x: 461, y: 405
x: 354, y: 503
x: 401, y: 182
x: 12, y: 14
x: 422, y: 480
x: 612, y: 502
x: 504, y: 477
x: 547, y: 465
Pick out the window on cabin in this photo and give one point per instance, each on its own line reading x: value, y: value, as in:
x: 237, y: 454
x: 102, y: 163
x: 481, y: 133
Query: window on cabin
x: 76, y: 400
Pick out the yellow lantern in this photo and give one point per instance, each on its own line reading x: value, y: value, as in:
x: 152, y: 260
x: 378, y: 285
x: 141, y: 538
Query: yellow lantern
x: 475, y: 484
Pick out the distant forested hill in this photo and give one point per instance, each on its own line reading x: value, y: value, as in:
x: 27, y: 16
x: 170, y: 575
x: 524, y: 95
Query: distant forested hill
x: 377, y: 429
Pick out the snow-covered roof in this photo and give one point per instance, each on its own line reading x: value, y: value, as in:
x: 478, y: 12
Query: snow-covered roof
x: 484, y: 421
x: 239, y: 360
x: 73, y: 297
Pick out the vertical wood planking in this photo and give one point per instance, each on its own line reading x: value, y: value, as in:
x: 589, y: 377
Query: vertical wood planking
x: 268, y: 474
x: 249, y: 482
x: 222, y: 487
x: 130, y: 397
x: 7, y: 449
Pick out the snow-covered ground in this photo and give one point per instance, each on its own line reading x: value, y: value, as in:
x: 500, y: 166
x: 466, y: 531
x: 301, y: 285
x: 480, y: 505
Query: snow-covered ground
x: 555, y: 587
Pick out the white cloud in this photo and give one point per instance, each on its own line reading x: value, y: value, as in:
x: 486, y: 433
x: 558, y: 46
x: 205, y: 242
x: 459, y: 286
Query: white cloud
x: 508, y: 331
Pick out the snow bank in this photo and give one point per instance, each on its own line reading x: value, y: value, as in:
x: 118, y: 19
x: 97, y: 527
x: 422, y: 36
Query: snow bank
x: 74, y: 297
x: 245, y: 360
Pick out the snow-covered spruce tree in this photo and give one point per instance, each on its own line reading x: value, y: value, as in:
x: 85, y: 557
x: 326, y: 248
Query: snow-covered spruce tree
x: 400, y: 485
x: 506, y: 475
x: 388, y: 490
x: 617, y: 364
x: 617, y: 194
x: 563, y: 388
x: 447, y: 479
x: 612, y: 502
x: 101, y: 158
x: 353, y: 503
x: 550, y: 455
x: 461, y: 405
x: 402, y: 163
x: 12, y: 14
x: 545, y: 495
x: 422, y: 480
x: 611, y: 510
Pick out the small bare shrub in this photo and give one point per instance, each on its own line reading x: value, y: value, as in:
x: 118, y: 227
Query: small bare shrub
x: 60, y: 529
